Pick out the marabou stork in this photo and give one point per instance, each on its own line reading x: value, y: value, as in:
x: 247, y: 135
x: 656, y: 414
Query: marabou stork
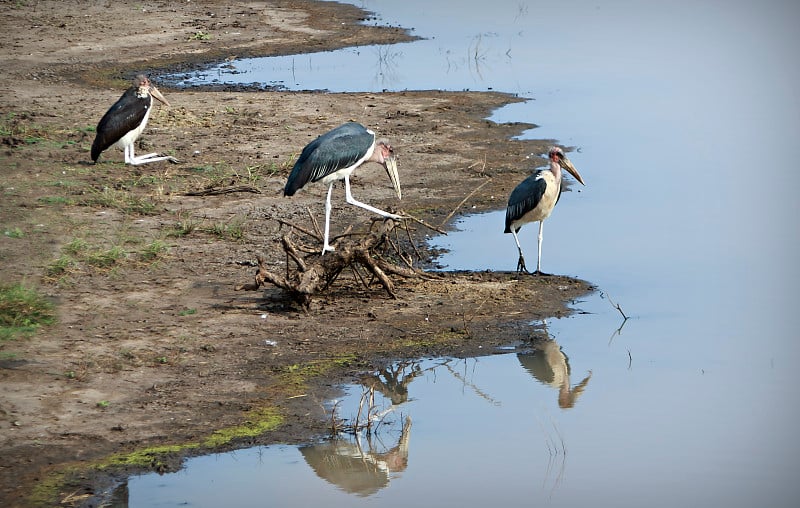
x: 534, y: 198
x: 334, y: 156
x: 124, y: 122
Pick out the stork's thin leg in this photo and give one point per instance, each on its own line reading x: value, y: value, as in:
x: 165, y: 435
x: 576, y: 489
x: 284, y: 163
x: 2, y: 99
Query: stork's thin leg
x: 521, y: 262
x: 326, y: 246
x: 539, y: 253
x: 349, y: 197
x: 130, y: 158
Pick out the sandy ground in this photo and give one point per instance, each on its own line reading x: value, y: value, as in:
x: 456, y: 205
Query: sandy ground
x: 152, y: 346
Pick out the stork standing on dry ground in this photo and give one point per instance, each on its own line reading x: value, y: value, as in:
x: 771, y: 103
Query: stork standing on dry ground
x: 334, y: 156
x: 124, y: 122
x: 534, y: 199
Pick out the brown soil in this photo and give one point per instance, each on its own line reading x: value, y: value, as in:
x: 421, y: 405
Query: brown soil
x: 154, y: 347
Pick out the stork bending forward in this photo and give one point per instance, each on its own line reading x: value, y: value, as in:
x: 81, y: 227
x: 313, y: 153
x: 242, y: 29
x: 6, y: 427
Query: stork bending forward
x: 334, y: 156
x: 534, y: 199
x: 124, y: 122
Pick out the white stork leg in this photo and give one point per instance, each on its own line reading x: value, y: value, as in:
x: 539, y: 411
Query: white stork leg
x: 521, y: 262
x: 130, y: 158
x: 326, y: 247
x: 539, y: 253
x: 352, y: 201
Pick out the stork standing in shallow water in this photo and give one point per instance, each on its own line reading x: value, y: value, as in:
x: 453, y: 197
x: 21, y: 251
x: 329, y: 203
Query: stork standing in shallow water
x: 124, y: 122
x: 334, y: 156
x: 534, y: 199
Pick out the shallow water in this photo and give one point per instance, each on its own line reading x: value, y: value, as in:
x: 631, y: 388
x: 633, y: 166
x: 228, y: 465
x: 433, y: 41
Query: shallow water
x: 685, y: 118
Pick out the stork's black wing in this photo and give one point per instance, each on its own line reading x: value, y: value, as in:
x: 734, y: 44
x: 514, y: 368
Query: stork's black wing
x: 338, y: 149
x: 524, y: 198
x: 124, y: 116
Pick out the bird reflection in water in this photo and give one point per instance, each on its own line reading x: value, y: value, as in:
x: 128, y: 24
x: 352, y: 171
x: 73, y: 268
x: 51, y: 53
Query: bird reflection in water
x: 549, y: 365
x: 358, y: 469
x: 364, y: 465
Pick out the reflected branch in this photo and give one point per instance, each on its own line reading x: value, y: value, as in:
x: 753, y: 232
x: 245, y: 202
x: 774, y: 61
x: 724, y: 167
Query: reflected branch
x: 474, y: 388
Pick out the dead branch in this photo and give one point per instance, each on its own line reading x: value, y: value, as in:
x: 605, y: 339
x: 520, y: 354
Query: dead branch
x: 315, y: 273
x: 224, y: 190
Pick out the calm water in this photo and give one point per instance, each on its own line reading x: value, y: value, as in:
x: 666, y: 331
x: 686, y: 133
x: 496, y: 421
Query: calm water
x: 687, y: 119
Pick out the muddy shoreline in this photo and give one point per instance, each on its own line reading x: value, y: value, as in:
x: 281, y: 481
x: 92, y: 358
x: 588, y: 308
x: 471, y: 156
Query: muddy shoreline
x: 154, y: 356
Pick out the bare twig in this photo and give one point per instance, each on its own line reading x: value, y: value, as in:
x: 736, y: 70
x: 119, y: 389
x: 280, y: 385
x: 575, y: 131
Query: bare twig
x: 411, y: 241
x: 314, y: 222
x: 295, y: 226
x: 616, y: 306
x: 450, y: 215
x: 423, y: 223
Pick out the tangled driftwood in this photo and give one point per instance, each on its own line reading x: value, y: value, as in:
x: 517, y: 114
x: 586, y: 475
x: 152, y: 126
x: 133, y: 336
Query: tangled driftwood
x: 372, y: 252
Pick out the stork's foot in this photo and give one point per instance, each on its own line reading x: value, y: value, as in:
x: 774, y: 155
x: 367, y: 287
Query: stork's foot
x: 151, y: 157
x: 327, y: 248
x: 521, y: 268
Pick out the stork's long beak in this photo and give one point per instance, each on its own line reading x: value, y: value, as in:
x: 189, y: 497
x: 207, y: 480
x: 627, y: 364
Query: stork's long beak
x: 391, y: 169
x: 569, y: 167
x: 155, y: 93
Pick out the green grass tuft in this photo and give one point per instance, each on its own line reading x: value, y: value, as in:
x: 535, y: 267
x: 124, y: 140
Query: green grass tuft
x: 22, y: 311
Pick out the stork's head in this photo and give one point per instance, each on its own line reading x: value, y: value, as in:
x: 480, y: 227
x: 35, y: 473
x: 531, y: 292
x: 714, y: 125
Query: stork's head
x: 385, y: 156
x: 557, y: 156
x: 144, y: 88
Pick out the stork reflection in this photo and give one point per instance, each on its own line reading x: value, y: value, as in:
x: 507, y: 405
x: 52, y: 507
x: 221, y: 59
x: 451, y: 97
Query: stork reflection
x: 358, y: 469
x: 549, y: 365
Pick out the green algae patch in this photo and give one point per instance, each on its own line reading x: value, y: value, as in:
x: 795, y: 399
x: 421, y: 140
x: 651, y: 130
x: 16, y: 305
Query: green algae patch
x: 151, y: 457
x: 259, y: 421
x: 155, y: 458
x: 47, y: 489
x: 295, y: 377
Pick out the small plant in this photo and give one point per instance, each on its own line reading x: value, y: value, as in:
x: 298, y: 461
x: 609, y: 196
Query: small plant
x: 187, y: 312
x: 102, y: 404
x: 76, y: 247
x: 55, y: 200
x: 185, y: 225
x: 59, y: 268
x: 106, y: 258
x: 200, y: 35
x: 232, y: 230
x: 14, y: 233
x: 154, y: 250
x: 22, y: 311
